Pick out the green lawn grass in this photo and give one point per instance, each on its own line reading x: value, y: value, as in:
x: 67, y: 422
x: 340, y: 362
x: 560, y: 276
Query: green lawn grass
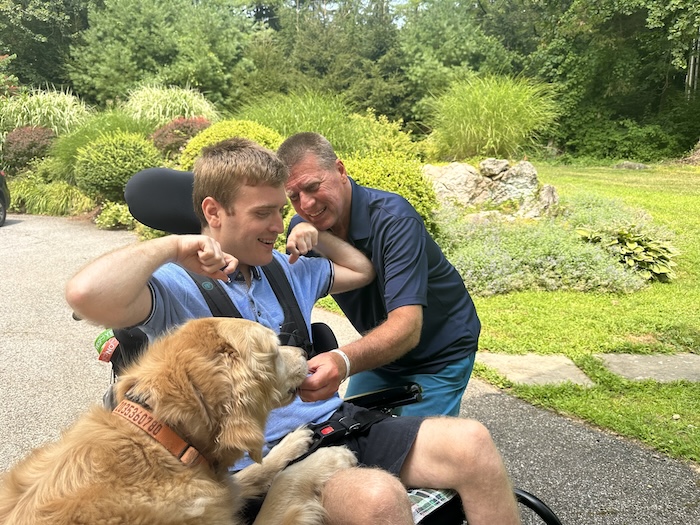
x: 664, y: 318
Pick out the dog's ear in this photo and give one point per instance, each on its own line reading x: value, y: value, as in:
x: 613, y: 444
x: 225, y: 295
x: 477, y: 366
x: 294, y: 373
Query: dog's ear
x: 242, y: 427
x: 249, y: 354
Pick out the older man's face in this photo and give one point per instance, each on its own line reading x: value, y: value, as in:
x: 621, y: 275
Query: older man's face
x: 317, y: 193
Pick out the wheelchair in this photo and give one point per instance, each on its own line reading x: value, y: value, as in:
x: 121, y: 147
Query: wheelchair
x: 387, y: 399
x: 175, y: 215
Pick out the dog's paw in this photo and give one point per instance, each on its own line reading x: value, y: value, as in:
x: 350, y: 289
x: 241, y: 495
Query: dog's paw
x: 326, y: 461
x: 292, y: 446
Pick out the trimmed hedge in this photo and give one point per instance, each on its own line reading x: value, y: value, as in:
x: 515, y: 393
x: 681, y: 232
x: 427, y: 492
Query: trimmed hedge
x: 104, y: 166
x: 227, y: 129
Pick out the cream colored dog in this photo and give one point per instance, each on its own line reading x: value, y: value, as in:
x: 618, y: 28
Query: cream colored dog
x: 194, y: 403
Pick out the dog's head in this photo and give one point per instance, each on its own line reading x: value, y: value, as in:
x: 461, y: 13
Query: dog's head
x: 214, y: 381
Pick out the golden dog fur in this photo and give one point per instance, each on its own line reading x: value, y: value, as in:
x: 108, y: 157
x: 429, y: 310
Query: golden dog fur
x: 213, y: 381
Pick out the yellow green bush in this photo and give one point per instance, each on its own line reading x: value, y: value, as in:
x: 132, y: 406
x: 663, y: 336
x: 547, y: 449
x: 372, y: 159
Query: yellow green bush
x: 227, y: 129
x: 104, y: 166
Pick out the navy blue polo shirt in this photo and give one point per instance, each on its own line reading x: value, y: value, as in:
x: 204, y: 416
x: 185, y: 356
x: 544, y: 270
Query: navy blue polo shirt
x: 411, y: 270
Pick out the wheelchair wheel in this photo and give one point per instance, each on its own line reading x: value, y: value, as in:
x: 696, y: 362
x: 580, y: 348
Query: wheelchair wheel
x: 532, y: 509
x: 535, y: 504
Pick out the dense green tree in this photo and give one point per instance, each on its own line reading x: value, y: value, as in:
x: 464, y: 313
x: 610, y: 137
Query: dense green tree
x: 442, y: 42
x: 180, y: 42
x: 347, y: 47
x: 620, y: 66
x: 39, y: 33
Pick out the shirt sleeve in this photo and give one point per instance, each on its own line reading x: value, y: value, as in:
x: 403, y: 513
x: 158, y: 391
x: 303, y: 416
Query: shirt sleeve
x: 175, y: 300
x: 311, y: 278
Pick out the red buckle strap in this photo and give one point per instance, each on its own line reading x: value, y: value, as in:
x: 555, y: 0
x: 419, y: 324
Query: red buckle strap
x: 161, y: 432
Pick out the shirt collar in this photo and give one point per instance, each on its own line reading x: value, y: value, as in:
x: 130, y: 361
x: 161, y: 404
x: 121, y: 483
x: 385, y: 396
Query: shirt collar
x: 359, y: 212
x: 239, y: 277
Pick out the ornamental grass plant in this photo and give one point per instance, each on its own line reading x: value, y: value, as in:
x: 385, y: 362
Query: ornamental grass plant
x: 31, y: 194
x: 489, y: 116
x: 160, y: 104
x: 58, y: 110
x: 350, y: 133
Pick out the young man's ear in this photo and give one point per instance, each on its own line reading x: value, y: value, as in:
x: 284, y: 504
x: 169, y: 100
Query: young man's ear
x: 212, y: 212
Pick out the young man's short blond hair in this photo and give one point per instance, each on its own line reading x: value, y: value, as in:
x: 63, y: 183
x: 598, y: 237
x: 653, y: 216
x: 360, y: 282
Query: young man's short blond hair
x: 222, y: 169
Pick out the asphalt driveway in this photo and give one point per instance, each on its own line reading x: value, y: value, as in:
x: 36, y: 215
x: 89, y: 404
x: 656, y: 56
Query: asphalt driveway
x: 49, y: 373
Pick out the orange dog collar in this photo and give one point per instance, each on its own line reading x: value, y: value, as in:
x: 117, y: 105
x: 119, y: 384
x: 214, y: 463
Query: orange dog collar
x: 161, y: 432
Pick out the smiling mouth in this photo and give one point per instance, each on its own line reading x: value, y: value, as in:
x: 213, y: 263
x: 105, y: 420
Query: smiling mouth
x: 314, y: 215
x: 267, y: 241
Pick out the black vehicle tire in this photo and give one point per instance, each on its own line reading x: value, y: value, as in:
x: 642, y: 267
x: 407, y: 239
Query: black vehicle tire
x: 3, y: 213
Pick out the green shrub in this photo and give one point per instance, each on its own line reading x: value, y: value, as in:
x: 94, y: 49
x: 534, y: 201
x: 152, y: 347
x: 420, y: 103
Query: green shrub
x: 172, y: 138
x: 159, y: 105
x: 23, y: 145
x: 594, y: 212
x: 628, y: 233
x: 227, y: 129
x: 9, y: 84
x: 377, y: 135
x: 498, y: 258
x: 328, y: 115
x: 398, y: 175
x: 59, y: 110
x: 601, y: 137
x: 651, y: 258
x: 490, y: 116
x: 45, y: 170
x: 104, y: 166
x: 65, y: 148
x: 30, y: 194
x: 145, y: 233
x: 115, y: 216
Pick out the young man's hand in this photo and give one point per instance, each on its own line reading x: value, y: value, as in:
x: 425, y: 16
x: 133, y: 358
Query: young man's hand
x: 203, y: 255
x: 301, y: 240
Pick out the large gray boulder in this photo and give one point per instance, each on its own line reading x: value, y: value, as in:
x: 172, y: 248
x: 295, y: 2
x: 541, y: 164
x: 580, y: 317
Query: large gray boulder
x: 496, y: 182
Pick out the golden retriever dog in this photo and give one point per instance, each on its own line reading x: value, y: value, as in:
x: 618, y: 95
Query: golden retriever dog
x: 188, y: 409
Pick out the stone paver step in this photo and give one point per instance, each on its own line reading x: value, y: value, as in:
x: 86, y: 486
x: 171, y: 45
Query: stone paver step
x: 534, y: 369
x: 660, y: 367
x: 538, y: 369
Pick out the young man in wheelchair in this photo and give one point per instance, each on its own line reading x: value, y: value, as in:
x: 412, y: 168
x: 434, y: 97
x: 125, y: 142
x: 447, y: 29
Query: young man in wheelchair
x: 239, y: 196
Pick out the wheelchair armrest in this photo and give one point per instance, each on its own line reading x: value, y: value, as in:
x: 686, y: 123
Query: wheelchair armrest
x: 388, y: 398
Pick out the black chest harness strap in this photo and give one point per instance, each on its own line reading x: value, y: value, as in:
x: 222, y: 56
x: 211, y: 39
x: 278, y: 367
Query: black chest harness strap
x: 332, y: 431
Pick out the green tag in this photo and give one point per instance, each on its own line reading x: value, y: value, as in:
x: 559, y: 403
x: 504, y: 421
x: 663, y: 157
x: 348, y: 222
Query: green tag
x: 102, y: 339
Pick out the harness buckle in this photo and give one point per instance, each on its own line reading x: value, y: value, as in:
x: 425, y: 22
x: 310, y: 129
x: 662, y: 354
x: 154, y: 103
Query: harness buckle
x: 349, y: 423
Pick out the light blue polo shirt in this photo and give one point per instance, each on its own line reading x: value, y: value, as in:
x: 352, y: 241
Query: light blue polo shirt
x: 177, y: 299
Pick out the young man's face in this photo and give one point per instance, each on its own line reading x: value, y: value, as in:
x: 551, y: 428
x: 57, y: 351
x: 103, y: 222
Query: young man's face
x: 316, y: 193
x: 250, y: 232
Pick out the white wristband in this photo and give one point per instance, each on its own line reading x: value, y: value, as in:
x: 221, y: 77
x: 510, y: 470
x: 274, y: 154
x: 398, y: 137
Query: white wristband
x: 347, y: 362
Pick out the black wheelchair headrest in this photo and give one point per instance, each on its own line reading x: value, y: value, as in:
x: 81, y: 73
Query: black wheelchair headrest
x: 162, y: 199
